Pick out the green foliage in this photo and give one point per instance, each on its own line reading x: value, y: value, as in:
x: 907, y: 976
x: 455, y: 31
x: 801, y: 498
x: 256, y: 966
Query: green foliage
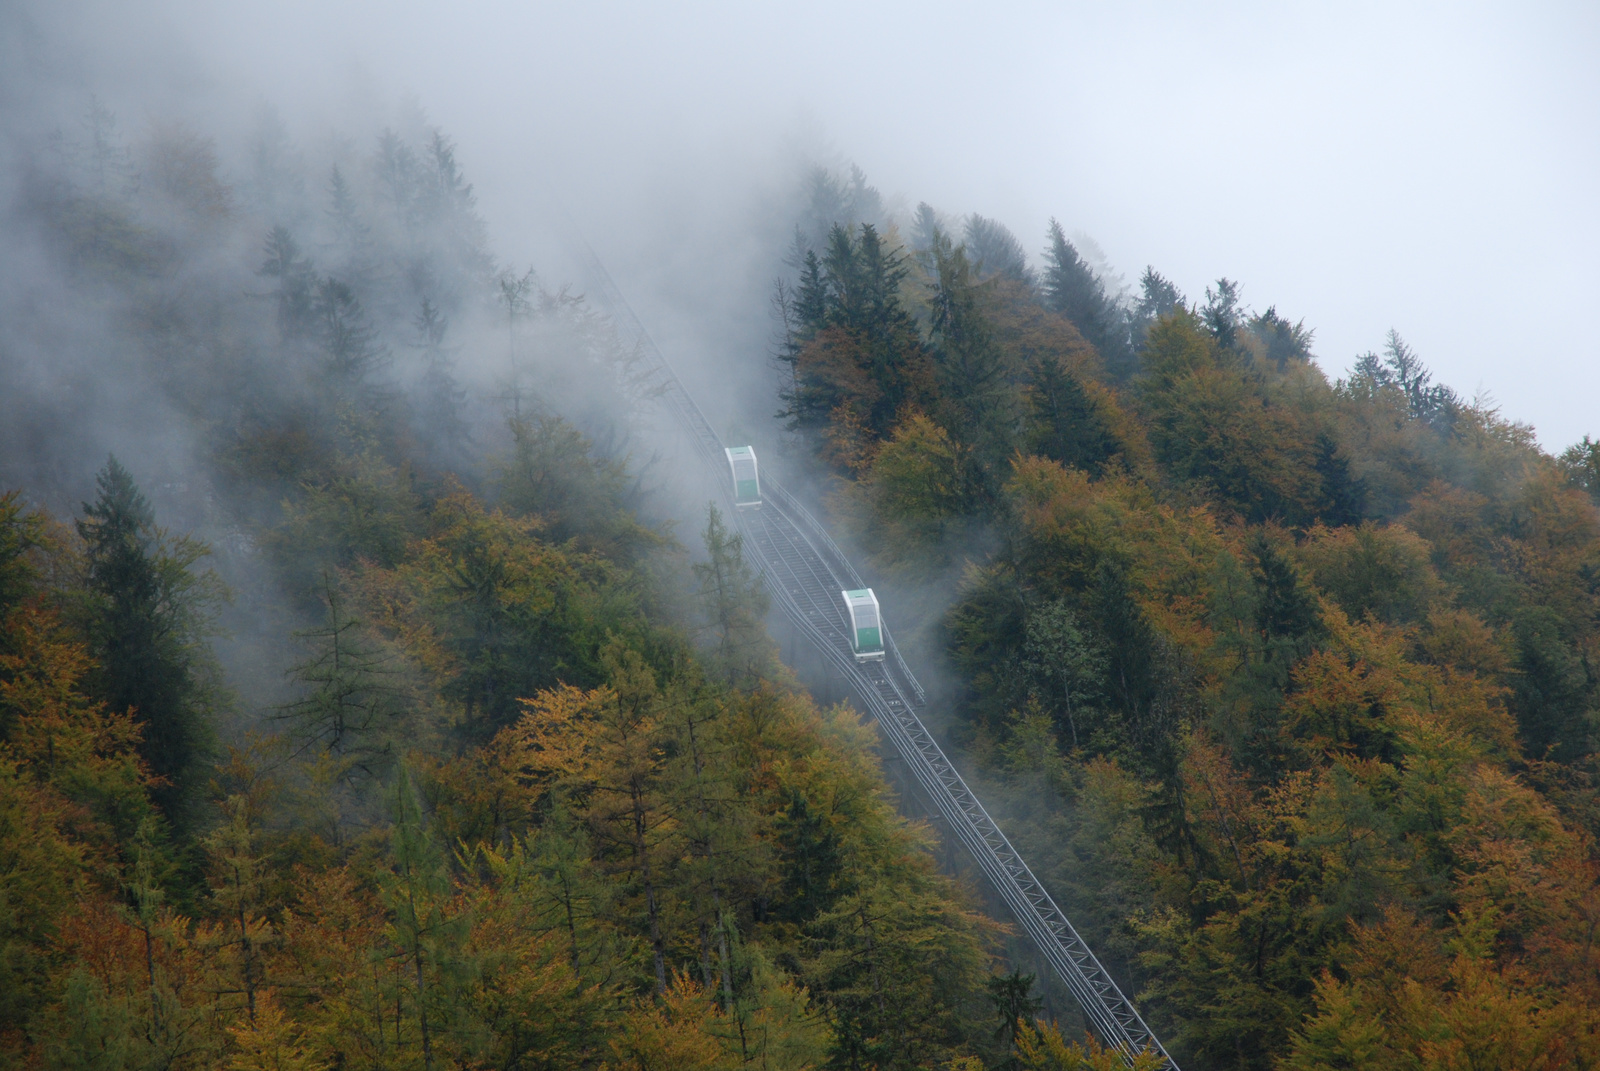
x: 145, y: 610
x: 21, y: 534
x: 358, y: 508
x: 856, y: 354
x: 1385, y: 573
x: 1283, y: 686
x: 1244, y: 658
x: 354, y: 705
x: 734, y: 605
x: 1067, y: 424
x: 969, y: 364
x: 1581, y: 464
x: 1071, y: 288
x: 1215, y: 428
x: 553, y: 474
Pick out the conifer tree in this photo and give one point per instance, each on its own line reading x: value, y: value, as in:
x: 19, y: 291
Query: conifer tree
x: 297, y: 283
x: 810, y: 857
x: 239, y: 874
x: 1072, y: 289
x: 439, y: 409
x: 1158, y: 297
x: 352, y: 352
x: 969, y: 360
x: 1284, y: 341
x: 735, y: 605
x: 994, y: 250
x: 352, y: 236
x: 1015, y: 1006
x: 145, y: 610
x: 21, y: 531
x: 1581, y: 464
x: 1066, y: 426
x: 427, y: 928
x: 872, y: 363
x: 1286, y: 615
x: 1344, y: 496
x: 354, y: 703
x: 1222, y: 314
x: 1063, y: 664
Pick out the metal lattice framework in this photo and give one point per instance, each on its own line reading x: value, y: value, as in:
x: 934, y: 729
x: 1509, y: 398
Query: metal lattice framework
x: 805, y: 570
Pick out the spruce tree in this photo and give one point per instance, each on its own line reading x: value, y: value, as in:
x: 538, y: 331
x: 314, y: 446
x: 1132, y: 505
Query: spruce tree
x: 1222, y: 314
x: 994, y: 250
x: 1284, y: 341
x: 1158, y: 297
x: 1072, y: 289
x: 297, y: 281
x: 1286, y: 616
x: 969, y: 358
x: 349, y: 338
x: 427, y: 927
x: 1065, y: 425
x: 1344, y: 496
x: 1016, y: 1006
x: 145, y: 610
x: 439, y: 407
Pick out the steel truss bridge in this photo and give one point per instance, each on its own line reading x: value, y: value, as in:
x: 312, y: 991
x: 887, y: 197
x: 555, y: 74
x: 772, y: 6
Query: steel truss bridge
x: 805, y: 571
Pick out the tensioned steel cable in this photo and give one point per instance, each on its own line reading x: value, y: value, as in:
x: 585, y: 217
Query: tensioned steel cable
x: 805, y: 570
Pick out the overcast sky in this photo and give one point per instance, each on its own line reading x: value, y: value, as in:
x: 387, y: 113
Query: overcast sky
x: 1427, y: 167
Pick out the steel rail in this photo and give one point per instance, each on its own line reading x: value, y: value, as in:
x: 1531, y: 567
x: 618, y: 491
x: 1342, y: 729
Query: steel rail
x: 805, y: 570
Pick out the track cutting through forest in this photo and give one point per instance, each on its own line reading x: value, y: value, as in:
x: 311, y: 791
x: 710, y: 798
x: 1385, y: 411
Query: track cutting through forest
x: 805, y: 571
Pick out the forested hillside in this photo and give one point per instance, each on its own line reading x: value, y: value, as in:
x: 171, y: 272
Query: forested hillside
x: 1286, y: 683
x: 425, y: 741
x: 366, y: 700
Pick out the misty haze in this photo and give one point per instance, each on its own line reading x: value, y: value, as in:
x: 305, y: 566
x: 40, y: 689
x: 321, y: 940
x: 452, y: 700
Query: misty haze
x: 608, y: 537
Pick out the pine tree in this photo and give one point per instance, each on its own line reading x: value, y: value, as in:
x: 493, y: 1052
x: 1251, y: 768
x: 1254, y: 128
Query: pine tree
x: 1158, y: 297
x: 1581, y: 463
x: 1286, y: 615
x: 275, y: 181
x: 512, y: 294
x: 352, y: 236
x: 1284, y: 341
x: 400, y: 180
x: 1064, y: 666
x: 810, y: 859
x: 239, y: 873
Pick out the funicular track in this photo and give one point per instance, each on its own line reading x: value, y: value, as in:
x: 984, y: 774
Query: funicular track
x: 805, y: 571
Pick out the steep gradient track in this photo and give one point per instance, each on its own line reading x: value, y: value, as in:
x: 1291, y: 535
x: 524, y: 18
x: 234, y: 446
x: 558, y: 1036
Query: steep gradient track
x: 805, y: 571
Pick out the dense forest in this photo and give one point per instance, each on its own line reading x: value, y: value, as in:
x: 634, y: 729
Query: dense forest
x: 376, y: 707
x: 1287, y: 685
